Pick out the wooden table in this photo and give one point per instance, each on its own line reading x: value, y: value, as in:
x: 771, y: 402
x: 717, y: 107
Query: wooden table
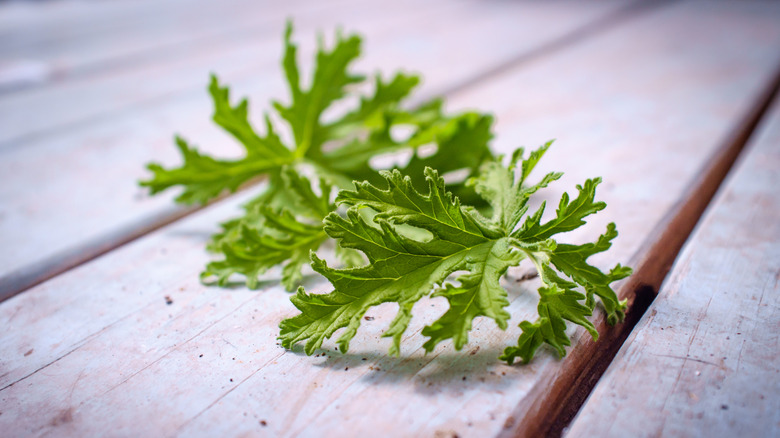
x: 661, y: 99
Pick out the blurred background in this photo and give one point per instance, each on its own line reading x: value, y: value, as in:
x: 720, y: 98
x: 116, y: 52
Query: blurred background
x: 90, y: 91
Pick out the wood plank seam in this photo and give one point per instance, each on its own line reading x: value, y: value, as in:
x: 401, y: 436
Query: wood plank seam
x: 573, y: 37
x: 550, y: 412
x: 718, y: 308
x: 99, y: 243
x: 186, y: 341
x: 165, y: 51
x: 22, y: 280
x: 620, y: 16
x: 21, y: 139
x: 57, y: 264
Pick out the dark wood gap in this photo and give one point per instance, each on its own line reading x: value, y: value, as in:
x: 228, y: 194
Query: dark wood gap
x: 31, y: 276
x: 553, y: 403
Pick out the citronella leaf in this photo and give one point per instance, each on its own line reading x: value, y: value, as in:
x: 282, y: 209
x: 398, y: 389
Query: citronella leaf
x: 462, y: 145
x: 400, y: 269
x: 331, y: 77
x: 372, y: 110
x: 557, y: 302
x: 235, y: 120
x: 302, y: 197
x: 403, y: 269
x: 282, y: 239
x: 274, y: 236
x: 569, y: 216
x: 204, y: 177
x: 338, y: 151
x: 478, y: 294
x: 572, y: 261
x: 506, y: 194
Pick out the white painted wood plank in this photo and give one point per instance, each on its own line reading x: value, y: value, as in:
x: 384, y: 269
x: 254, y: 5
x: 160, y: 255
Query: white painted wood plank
x: 53, y: 31
x: 114, y: 150
x: 45, y: 42
x: 450, y: 46
x: 703, y: 361
x: 72, y: 34
x: 48, y: 110
x: 107, y: 350
x: 75, y: 17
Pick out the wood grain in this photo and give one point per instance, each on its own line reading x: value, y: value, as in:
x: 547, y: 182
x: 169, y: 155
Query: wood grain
x: 557, y: 404
x: 241, y: 55
x: 152, y: 81
x: 95, y: 349
x: 703, y: 360
x: 87, y: 38
x: 61, y: 167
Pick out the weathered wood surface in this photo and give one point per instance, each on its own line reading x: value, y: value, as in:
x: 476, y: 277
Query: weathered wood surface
x: 151, y: 81
x: 62, y: 166
x: 73, y: 39
x: 703, y: 361
x: 96, y: 349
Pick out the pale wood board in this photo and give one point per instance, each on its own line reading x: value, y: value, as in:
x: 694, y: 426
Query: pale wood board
x: 37, y: 25
x: 74, y: 37
x: 50, y: 42
x: 61, y: 167
x: 117, y: 356
x: 51, y: 109
x: 703, y: 362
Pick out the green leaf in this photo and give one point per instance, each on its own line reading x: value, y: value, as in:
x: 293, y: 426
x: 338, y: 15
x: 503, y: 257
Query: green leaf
x: 274, y: 236
x: 530, y: 340
x: 204, y: 177
x: 403, y: 268
x: 283, y: 239
x: 479, y: 294
x: 338, y: 152
x: 235, y: 120
x: 569, y: 216
x: 556, y: 304
x: 400, y: 269
x: 572, y: 261
x: 372, y: 110
x: 508, y: 198
x: 275, y: 196
x: 462, y: 144
x: 331, y: 77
